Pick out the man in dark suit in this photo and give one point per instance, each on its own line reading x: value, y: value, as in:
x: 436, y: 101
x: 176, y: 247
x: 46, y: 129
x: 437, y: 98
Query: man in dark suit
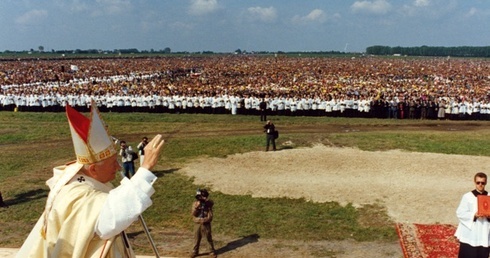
x: 263, y: 110
x: 270, y: 131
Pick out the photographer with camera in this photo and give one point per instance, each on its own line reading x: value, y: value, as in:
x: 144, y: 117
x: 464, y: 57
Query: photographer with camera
x: 202, y: 214
x: 127, y: 158
x: 141, y: 149
x: 270, y: 131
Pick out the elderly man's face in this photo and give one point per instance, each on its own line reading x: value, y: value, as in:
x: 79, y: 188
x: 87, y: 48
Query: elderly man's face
x: 105, y: 171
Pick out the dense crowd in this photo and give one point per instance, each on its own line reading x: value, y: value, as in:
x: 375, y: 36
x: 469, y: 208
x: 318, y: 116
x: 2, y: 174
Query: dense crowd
x: 403, y: 88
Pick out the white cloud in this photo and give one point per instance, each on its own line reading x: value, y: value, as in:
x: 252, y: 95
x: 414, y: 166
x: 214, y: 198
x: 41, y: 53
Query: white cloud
x: 117, y: 6
x: 112, y: 7
x: 479, y: 13
x: 432, y: 9
x: 201, y: 7
x: 374, y: 7
x: 31, y: 17
x: 74, y: 5
x: 472, y: 11
x: 415, y: 8
x: 421, y: 3
x: 268, y: 14
x: 316, y: 15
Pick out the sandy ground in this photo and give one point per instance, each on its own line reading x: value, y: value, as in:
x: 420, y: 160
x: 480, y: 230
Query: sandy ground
x: 414, y: 187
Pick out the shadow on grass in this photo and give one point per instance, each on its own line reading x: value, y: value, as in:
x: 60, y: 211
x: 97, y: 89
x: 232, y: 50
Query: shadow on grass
x: 27, y: 196
x: 135, y: 234
x: 238, y: 243
x: 164, y: 172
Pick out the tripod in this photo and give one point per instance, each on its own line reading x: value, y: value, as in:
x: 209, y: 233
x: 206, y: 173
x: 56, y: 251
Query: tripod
x: 145, y: 228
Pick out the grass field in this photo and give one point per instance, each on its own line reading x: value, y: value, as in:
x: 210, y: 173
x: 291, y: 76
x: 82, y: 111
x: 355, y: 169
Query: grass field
x: 32, y: 144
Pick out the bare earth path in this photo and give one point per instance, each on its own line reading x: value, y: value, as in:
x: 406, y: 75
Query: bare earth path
x: 415, y: 187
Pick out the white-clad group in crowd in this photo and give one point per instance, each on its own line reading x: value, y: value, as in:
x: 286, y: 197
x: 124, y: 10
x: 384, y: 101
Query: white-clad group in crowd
x: 290, y: 86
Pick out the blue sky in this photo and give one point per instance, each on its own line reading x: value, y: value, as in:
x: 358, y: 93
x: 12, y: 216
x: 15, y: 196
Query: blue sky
x: 252, y: 25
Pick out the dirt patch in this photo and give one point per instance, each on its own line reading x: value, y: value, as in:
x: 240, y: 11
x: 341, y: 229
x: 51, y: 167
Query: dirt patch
x: 178, y: 244
x: 414, y: 187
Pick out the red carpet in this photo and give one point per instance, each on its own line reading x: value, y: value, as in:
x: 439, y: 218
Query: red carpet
x: 427, y: 241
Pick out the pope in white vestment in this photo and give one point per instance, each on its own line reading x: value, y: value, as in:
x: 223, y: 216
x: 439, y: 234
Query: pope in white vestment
x: 85, y: 216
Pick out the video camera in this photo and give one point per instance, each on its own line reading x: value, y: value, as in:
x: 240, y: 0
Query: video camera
x: 201, y: 195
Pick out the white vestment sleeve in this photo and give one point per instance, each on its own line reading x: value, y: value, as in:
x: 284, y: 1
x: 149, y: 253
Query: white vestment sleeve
x: 466, y: 211
x: 125, y: 203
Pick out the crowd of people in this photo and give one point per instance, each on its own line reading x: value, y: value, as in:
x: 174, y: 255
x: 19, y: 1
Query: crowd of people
x: 398, y: 87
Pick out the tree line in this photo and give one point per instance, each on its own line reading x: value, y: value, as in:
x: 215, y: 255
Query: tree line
x: 462, y: 51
